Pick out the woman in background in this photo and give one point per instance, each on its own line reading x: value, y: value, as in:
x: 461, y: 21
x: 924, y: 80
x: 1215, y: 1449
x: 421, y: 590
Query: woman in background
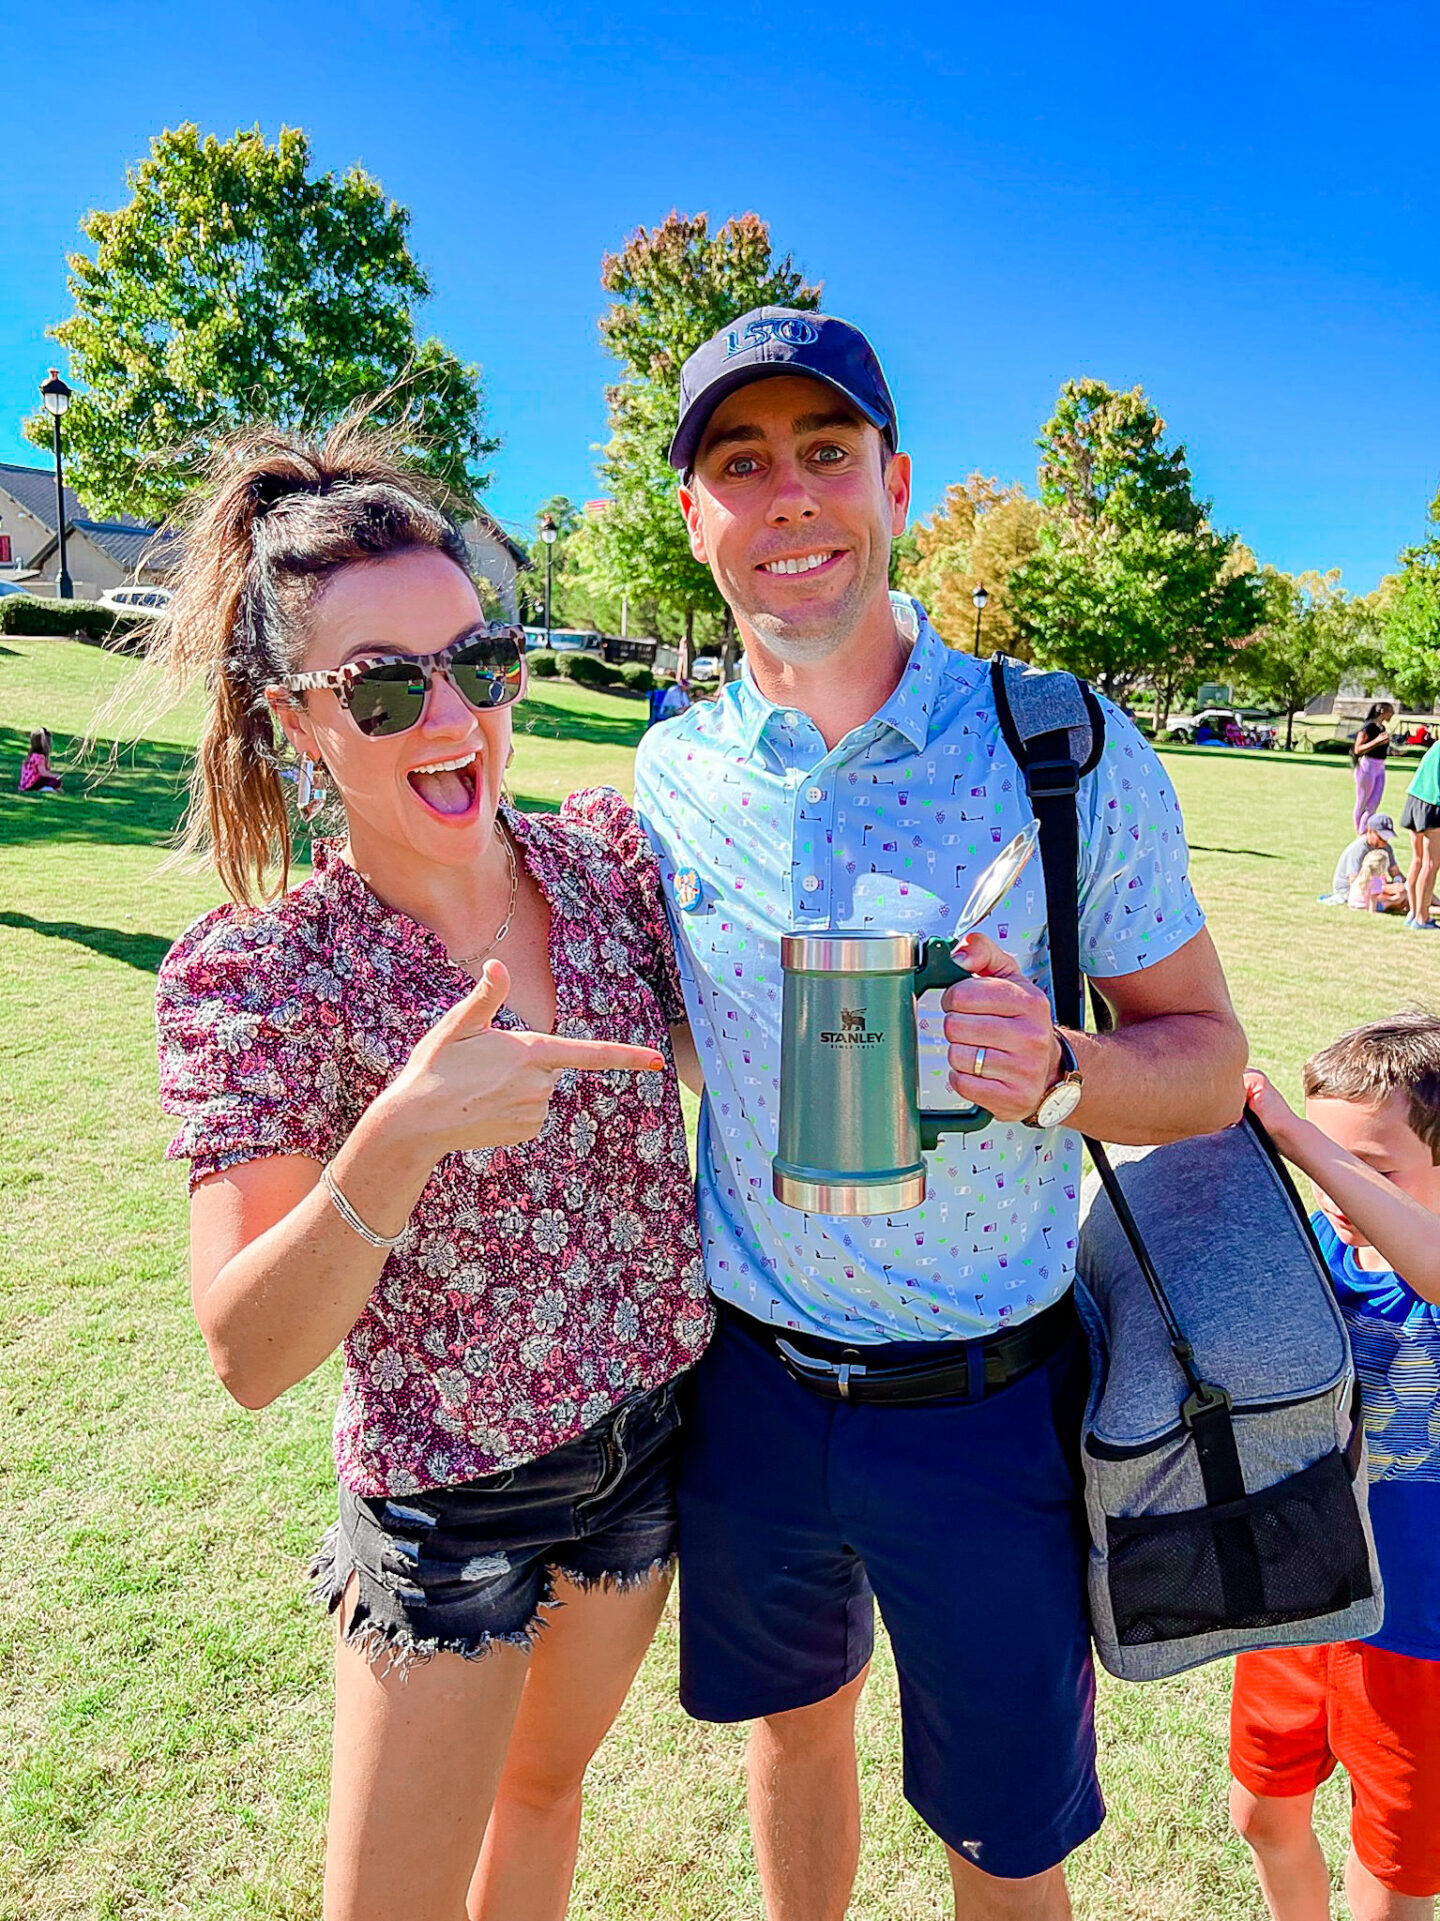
x: 1368, y: 751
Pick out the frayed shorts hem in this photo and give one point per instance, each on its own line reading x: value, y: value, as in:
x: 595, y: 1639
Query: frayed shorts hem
x: 391, y: 1648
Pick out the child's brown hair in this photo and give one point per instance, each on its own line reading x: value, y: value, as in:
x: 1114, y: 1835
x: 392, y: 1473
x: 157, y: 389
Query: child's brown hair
x: 1397, y: 1055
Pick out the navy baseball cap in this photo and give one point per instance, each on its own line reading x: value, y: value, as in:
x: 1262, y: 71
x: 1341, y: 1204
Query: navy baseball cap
x: 768, y: 342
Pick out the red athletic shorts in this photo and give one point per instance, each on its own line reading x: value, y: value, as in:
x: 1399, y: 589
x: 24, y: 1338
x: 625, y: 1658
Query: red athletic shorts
x: 1297, y: 1712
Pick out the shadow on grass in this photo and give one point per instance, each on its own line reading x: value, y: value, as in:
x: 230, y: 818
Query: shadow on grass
x: 550, y: 721
x: 1257, y: 757
x: 136, y: 800
x: 1246, y: 853
x: 145, y: 951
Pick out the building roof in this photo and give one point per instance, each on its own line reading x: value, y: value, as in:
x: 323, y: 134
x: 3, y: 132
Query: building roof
x: 34, y: 488
x: 490, y: 525
x: 130, y: 543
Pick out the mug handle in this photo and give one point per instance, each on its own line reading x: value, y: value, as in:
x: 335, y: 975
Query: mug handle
x: 938, y: 967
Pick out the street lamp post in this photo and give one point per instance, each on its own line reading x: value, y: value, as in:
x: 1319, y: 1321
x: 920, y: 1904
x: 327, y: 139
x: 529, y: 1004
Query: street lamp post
x: 981, y: 600
x: 56, y: 396
x: 548, y: 533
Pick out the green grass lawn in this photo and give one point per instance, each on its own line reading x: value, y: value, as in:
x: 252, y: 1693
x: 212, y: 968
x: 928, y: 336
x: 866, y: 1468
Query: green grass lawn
x: 164, y: 1700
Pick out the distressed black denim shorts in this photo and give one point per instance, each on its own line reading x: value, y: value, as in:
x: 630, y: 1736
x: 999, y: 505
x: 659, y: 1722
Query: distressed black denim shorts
x: 456, y: 1568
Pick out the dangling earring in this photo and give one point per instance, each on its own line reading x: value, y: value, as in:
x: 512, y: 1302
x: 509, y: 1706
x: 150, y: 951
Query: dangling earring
x: 310, y: 794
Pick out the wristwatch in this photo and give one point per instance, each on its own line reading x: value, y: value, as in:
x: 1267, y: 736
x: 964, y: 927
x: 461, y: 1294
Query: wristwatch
x: 1060, y: 1100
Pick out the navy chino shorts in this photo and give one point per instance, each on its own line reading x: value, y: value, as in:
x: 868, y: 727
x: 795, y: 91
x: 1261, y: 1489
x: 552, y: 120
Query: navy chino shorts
x: 963, y: 1519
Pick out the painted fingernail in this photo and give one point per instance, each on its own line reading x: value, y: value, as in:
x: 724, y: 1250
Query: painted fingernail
x: 656, y: 1062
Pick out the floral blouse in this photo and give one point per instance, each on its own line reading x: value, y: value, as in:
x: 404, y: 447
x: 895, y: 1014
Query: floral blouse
x: 536, y: 1285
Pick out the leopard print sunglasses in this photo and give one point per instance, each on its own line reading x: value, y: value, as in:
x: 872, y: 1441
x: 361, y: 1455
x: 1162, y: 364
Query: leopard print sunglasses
x: 386, y: 693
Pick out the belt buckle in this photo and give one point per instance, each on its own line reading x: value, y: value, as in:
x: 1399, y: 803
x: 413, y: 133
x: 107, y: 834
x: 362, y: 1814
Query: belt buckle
x: 841, y: 1372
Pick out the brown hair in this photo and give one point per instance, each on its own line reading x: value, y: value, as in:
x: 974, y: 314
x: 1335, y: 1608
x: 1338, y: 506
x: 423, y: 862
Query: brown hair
x: 1399, y: 1055
x: 282, y: 515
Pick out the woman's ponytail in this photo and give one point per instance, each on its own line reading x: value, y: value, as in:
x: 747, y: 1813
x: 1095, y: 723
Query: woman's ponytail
x: 281, y: 516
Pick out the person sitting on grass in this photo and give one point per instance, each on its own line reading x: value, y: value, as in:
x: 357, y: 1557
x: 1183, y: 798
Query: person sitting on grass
x: 1371, y: 891
x: 1378, y: 837
x: 472, y: 1177
x: 36, y: 774
x: 1370, y: 1142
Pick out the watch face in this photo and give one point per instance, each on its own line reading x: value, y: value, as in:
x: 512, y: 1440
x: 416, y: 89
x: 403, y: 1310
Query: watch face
x: 1059, y: 1104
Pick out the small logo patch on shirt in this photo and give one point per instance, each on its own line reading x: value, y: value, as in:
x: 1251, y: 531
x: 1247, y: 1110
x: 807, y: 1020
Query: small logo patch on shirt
x: 687, y: 889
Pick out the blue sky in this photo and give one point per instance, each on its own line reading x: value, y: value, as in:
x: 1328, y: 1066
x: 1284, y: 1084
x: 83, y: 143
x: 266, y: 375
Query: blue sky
x: 1232, y: 206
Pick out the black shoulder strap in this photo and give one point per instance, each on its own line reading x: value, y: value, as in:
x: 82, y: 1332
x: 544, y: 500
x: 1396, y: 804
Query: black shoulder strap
x: 1053, y: 759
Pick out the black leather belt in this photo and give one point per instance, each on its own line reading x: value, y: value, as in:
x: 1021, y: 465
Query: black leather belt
x: 842, y: 1373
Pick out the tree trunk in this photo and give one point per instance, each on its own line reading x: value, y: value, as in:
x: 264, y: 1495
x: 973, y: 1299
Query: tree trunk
x: 1289, y: 727
x: 727, y: 647
x: 687, y: 647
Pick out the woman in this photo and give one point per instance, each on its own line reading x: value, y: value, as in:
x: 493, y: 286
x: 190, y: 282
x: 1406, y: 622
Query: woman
x: 1421, y: 814
x: 474, y: 1176
x: 1368, y: 751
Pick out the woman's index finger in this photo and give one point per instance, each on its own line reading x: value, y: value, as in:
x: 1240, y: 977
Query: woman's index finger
x: 600, y: 1056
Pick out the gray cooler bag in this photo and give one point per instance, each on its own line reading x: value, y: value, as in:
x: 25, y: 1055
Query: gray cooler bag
x: 1223, y: 1451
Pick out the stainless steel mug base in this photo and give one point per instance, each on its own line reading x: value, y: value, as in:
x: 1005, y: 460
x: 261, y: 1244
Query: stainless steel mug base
x: 850, y: 1197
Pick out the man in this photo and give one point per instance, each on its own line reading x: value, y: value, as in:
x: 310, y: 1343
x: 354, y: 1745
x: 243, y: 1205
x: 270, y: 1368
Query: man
x: 1379, y: 833
x: 891, y: 1404
x: 676, y: 700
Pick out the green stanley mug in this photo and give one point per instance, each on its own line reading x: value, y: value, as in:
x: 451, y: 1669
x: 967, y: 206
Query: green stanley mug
x: 852, y: 1132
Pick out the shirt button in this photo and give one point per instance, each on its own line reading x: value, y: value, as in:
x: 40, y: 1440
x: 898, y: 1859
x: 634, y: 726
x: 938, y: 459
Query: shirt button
x: 811, y: 883
x: 814, y: 793
x: 792, y: 720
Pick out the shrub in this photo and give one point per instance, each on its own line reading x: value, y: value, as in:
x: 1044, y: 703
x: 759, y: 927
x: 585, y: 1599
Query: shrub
x: 587, y: 670
x: 1331, y: 747
x: 636, y: 676
x: 544, y: 665
x: 66, y: 619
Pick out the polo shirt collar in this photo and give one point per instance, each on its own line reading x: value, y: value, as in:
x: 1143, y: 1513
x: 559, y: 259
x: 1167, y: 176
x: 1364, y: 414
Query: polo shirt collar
x: 907, y: 712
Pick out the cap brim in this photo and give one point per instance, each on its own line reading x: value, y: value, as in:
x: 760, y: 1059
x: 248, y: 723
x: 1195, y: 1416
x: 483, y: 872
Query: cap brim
x: 691, y: 431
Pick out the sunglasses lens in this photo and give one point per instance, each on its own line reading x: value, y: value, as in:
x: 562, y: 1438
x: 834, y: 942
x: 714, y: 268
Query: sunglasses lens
x: 388, y: 698
x: 487, y: 671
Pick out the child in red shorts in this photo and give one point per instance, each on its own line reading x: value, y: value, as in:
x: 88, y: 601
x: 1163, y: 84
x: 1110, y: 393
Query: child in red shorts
x: 1370, y: 1142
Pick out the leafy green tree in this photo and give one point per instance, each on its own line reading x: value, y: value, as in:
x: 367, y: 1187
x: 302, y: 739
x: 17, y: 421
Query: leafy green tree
x: 1129, y: 583
x: 671, y: 287
x: 1411, y: 620
x: 238, y: 286
x: 980, y: 534
x: 1313, y: 636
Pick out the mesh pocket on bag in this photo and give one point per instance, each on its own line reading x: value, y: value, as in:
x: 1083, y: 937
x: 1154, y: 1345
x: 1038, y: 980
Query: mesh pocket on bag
x: 1293, y: 1552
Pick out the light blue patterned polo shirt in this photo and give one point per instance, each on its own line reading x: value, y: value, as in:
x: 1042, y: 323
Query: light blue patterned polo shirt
x: 761, y: 831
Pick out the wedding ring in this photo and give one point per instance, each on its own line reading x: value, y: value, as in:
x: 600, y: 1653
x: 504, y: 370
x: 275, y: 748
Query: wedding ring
x: 978, y: 1070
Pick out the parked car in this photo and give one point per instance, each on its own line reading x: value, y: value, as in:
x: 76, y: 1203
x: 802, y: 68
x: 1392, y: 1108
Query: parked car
x: 11, y: 587
x: 705, y: 669
x: 574, y: 640
x: 137, y: 600
x: 1220, y: 719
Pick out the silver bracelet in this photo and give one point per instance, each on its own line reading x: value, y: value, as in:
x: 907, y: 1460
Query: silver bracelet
x: 353, y: 1220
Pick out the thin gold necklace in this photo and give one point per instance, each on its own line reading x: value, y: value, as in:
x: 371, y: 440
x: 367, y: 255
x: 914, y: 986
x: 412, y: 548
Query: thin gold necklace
x: 484, y: 953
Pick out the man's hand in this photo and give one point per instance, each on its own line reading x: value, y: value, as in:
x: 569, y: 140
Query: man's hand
x: 1010, y: 1018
